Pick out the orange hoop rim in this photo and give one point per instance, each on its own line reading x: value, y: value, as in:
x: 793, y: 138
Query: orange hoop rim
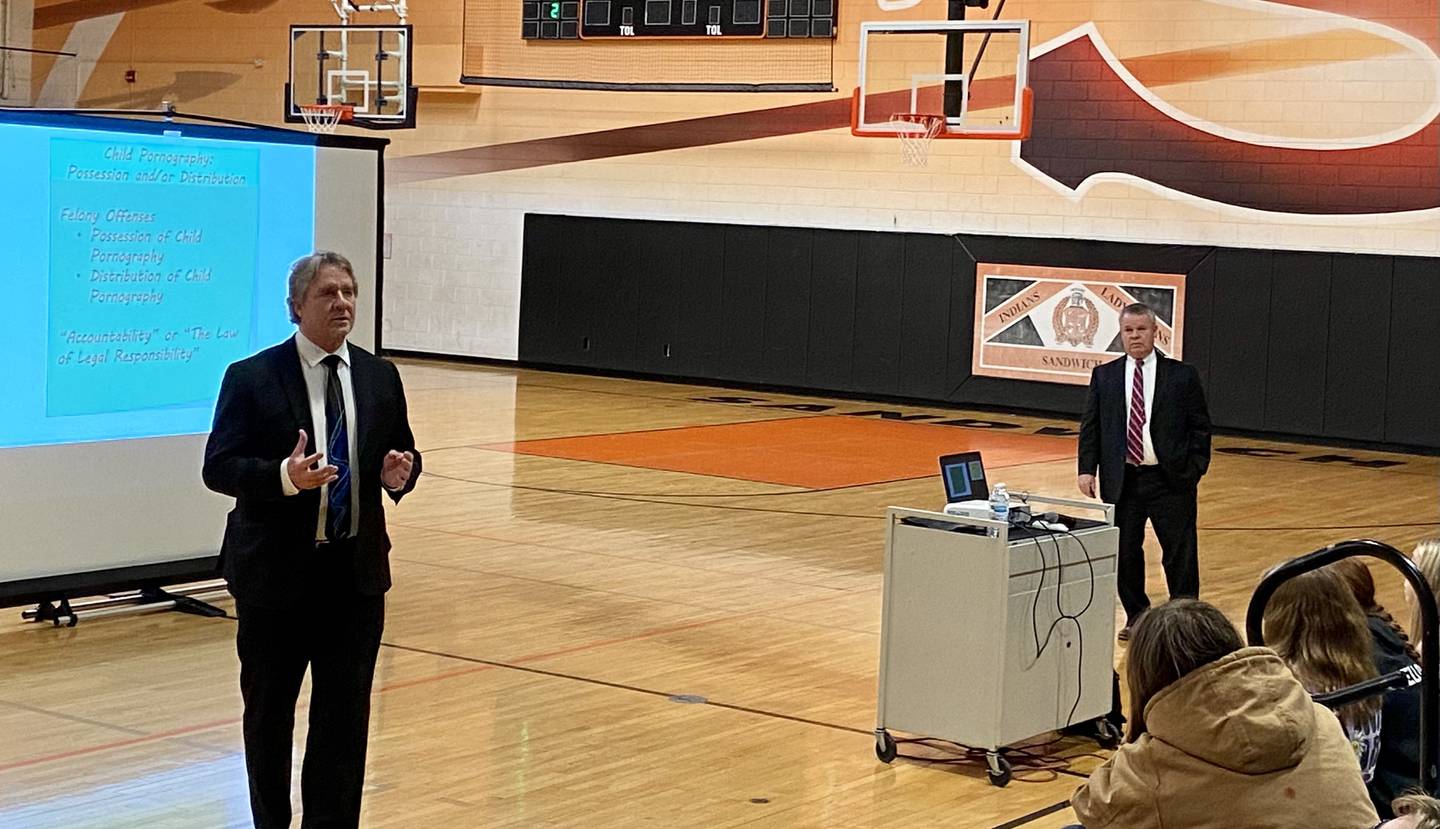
x: 346, y: 110
x: 922, y: 121
x: 1020, y: 133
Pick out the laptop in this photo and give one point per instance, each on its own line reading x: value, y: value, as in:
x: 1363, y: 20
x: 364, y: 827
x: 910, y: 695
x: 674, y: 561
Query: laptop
x: 964, y: 477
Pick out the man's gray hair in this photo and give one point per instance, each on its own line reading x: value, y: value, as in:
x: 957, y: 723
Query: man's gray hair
x: 1140, y: 309
x: 304, y: 270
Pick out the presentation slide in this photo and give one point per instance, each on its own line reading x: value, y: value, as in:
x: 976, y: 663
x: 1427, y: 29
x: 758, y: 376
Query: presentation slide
x: 144, y: 257
x: 155, y: 262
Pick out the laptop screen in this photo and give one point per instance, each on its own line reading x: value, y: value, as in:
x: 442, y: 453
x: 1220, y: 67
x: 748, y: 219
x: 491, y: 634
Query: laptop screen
x: 964, y: 477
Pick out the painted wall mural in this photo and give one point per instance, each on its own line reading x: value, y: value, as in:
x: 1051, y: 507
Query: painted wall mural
x: 1284, y: 124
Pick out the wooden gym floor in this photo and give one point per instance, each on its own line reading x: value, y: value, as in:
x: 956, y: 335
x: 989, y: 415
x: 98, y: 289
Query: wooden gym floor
x: 583, y: 550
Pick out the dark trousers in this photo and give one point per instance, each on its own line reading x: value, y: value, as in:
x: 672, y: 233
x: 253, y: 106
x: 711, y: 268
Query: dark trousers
x: 1148, y: 495
x: 338, y: 638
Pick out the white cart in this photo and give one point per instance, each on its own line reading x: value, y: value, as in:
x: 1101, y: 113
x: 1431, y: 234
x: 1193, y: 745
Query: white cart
x: 964, y: 606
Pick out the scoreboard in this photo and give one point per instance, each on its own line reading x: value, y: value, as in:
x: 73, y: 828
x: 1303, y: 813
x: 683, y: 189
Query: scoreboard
x: 587, y: 19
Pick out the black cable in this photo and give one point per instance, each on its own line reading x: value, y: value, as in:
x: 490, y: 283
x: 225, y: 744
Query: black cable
x: 1022, y: 757
x: 1061, y: 615
x: 1079, y: 674
x: 1060, y: 564
x: 1080, y: 632
x: 1035, y: 605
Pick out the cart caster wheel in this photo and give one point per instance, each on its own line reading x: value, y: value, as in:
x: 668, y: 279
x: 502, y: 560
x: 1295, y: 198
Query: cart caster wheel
x: 1107, y: 734
x: 884, y: 745
x: 998, y: 770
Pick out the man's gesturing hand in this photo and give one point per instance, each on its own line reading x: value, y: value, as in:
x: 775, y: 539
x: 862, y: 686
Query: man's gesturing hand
x: 396, y: 472
x: 302, y: 469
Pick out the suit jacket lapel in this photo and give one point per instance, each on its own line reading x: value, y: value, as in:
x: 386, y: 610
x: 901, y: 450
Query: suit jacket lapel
x: 1162, y: 377
x: 293, y: 384
x: 360, y: 387
x: 1122, y: 391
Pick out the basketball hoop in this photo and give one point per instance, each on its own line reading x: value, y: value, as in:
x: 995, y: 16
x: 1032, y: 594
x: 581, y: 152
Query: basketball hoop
x: 916, y: 130
x: 325, y: 117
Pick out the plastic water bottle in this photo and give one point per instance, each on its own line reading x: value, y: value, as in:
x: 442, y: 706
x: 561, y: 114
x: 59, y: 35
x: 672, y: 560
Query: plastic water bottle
x: 1000, y: 503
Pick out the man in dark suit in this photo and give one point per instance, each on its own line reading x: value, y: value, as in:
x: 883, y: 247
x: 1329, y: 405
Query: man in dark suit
x: 305, y: 551
x: 1147, y: 429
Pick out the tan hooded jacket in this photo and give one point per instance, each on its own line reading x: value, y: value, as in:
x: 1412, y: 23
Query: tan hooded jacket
x: 1235, y: 744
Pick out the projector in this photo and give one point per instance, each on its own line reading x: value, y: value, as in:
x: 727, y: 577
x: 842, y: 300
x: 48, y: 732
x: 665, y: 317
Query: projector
x: 1019, y: 510
x: 969, y: 509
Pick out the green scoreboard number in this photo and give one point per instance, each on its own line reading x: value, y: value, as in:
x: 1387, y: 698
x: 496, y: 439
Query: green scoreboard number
x: 550, y: 19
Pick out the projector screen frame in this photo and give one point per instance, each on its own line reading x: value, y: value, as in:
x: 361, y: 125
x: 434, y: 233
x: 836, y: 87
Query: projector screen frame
x: 91, y: 582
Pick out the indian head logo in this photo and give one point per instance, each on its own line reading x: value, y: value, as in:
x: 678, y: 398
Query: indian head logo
x: 1076, y: 320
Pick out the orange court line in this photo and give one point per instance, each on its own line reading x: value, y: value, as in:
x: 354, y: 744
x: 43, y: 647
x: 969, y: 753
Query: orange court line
x: 811, y: 452
x: 148, y: 738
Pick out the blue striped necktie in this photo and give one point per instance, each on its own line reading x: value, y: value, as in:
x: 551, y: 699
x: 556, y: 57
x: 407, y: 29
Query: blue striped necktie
x: 337, y: 449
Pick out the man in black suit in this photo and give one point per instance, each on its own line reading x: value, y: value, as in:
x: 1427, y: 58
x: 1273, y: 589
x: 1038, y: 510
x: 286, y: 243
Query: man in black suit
x: 1147, y: 429
x: 305, y: 551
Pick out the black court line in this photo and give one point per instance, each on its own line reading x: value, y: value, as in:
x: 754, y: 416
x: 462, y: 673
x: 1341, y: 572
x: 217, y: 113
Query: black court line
x: 135, y: 732
x: 557, y: 548
x: 621, y: 686
x: 791, y: 489
x: 658, y: 498
x: 744, y: 709
x: 818, y: 398
x: 1035, y: 815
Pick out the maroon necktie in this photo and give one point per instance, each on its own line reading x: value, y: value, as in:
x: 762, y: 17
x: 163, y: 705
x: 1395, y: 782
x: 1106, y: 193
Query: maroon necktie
x: 1135, y: 436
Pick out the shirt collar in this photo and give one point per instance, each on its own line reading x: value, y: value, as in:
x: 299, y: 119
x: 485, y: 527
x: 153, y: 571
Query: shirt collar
x: 311, y: 354
x: 1147, y: 362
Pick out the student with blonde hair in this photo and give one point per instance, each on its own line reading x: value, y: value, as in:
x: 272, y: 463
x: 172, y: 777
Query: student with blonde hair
x: 1415, y: 811
x: 1221, y: 734
x: 1426, y: 557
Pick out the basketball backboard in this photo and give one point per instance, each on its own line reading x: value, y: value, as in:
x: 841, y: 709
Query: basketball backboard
x: 365, y: 67
x: 971, y: 72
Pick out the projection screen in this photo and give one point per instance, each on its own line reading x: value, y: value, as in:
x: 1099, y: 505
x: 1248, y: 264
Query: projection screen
x: 144, y: 258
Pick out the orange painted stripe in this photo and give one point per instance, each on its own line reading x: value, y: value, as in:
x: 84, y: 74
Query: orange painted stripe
x: 809, y: 452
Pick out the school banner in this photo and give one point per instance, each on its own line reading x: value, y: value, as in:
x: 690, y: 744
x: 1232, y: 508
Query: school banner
x: 1056, y: 324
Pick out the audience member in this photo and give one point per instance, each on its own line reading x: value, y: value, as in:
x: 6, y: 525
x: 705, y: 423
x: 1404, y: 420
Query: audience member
x: 1317, y: 627
x: 1415, y: 811
x: 1221, y: 733
x: 1427, y: 558
x: 1398, y: 767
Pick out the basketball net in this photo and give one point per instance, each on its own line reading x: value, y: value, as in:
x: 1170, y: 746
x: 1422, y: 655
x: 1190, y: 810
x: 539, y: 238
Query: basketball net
x: 915, y: 131
x: 322, y: 117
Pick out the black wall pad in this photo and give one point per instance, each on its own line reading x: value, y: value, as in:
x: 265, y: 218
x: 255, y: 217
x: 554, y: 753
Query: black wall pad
x: 1412, y: 392
x: 1295, y: 359
x: 833, y: 309
x: 1357, y: 363
x: 1310, y: 345
x: 1240, y: 339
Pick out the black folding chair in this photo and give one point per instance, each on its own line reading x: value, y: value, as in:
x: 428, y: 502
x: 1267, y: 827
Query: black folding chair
x: 1429, y: 640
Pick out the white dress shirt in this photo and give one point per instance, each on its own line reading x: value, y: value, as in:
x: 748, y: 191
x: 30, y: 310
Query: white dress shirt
x: 315, y: 373
x: 1148, y: 370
